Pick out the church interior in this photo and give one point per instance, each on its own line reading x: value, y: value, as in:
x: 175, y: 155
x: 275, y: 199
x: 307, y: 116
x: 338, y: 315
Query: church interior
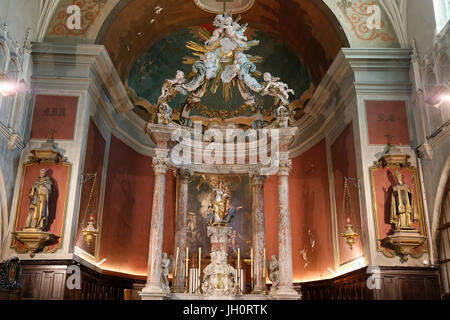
x: 224, y: 149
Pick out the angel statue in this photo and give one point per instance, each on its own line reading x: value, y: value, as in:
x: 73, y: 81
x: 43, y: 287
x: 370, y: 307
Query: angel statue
x: 170, y: 87
x: 274, y: 271
x: 218, y: 23
x: 233, y: 31
x: 166, y: 268
x: 276, y: 88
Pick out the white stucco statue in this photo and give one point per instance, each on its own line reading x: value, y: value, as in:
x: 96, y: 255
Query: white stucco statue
x: 274, y: 87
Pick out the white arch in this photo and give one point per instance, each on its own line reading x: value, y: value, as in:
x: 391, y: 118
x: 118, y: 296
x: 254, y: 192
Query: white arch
x: 440, y: 192
x: 3, y: 213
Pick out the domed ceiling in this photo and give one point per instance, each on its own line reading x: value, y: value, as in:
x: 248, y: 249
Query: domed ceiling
x: 162, y: 60
x: 146, y: 41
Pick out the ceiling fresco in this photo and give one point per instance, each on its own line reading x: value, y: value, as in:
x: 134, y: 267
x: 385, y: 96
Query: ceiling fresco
x: 162, y: 60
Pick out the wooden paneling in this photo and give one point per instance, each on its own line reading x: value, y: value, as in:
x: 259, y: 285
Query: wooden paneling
x: 396, y: 283
x: 46, y: 280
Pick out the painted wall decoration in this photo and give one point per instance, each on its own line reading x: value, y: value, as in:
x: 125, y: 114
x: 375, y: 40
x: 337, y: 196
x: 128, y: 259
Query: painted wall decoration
x: 90, y: 10
x: 54, y: 116
x: 309, y: 201
x: 382, y: 183
x: 344, y: 165
x: 357, y: 14
x: 127, y: 212
x: 59, y: 174
x: 241, y: 203
x: 387, y: 121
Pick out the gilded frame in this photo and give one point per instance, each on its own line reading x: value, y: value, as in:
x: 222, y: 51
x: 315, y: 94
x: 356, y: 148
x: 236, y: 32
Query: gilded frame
x: 57, y: 246
x: 419, y: 205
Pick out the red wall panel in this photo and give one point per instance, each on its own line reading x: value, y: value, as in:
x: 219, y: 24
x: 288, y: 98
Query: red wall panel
x: 344, y: 165
x: 93, y: 163
x: 127, y: 210
x: 54, y: 115
x: 312, y: 242
x: 387, y: 118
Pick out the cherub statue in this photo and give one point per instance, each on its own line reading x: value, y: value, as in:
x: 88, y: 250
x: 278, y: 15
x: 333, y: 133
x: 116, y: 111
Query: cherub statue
x: 233, y: 31
x: 171, y: 86
x: 209, y: 59
x: 274, y: 272
x: 166, y: 268
x: 276, y: 88
x: 219, y: 24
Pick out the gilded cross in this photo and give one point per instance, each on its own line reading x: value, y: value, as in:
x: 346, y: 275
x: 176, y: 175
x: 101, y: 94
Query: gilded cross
x: 390, y: 138
x: 224, y: 4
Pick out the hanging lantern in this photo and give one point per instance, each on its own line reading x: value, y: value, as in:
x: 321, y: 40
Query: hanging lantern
x: 349, y: 235
x: 90, y: 231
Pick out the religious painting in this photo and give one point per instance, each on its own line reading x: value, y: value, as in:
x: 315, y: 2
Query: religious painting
x: 237, y: 212
x: 387, y: 122
x: 55, y: 177
x: 384, y: 181
x: 54, y: 116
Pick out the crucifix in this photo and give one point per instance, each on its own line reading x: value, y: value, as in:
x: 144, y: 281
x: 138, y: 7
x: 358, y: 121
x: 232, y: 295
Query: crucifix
x: 224, y: 4
x: 390, y: 139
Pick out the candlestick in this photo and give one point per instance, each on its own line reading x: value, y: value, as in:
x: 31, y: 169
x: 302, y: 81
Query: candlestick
x: 239, y: 268
x: 264, y: 270
x: 251, y: 267
x: 186, y: 290
x: 176, y: 262
x: 199, y: 268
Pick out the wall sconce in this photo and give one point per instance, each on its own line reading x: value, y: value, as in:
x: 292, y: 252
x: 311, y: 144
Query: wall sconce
x: 10, y: 88
x: 349, y: 235
x: 438, y: 96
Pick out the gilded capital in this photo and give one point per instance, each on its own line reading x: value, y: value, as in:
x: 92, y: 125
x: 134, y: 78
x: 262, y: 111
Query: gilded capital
x: 160, y: 165
x: 285, y: 167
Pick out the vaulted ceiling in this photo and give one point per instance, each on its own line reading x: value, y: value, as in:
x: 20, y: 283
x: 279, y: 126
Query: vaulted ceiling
x: 307, y: 28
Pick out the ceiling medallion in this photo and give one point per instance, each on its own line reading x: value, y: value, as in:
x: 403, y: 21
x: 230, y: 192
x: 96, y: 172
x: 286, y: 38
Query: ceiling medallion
x: 222, y: 60
x: 220, y: 6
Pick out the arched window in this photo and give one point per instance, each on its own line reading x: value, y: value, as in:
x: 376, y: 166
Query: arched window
x: 7, y: 103
x: 444, y: 244
x: 442, y: 13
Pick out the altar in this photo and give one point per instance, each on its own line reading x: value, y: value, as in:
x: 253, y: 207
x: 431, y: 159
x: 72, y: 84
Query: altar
x: 220, y: 227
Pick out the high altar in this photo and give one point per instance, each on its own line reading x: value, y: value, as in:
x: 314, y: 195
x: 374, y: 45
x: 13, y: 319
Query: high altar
x: 261, y: 150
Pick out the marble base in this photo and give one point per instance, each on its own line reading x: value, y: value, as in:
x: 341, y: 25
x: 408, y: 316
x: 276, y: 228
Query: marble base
x: 284, y: 294
x: 153, y: 293
x: 184, y: 296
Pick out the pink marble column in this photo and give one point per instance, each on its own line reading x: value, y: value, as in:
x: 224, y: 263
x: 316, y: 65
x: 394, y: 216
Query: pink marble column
x: 284, y: 231
x: 153, y: 287
x: 183, y: 178
x: 259, y: 235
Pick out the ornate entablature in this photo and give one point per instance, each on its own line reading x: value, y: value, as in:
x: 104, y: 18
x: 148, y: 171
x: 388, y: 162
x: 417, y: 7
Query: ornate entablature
x: 221, y: 60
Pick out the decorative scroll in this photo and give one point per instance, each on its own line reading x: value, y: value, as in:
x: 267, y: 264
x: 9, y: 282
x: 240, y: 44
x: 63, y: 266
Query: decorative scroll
x: 90, y: 10
x: 357, y: 15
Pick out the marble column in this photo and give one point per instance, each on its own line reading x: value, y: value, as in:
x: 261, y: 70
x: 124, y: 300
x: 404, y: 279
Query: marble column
x: 259, y: 235
x: 183, y: 178
x: 153, y: 286
x: 284, y: 233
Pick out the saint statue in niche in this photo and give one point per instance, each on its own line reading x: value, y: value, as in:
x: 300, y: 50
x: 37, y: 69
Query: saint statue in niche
x: 39, y: 206
x: 403, y: 211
